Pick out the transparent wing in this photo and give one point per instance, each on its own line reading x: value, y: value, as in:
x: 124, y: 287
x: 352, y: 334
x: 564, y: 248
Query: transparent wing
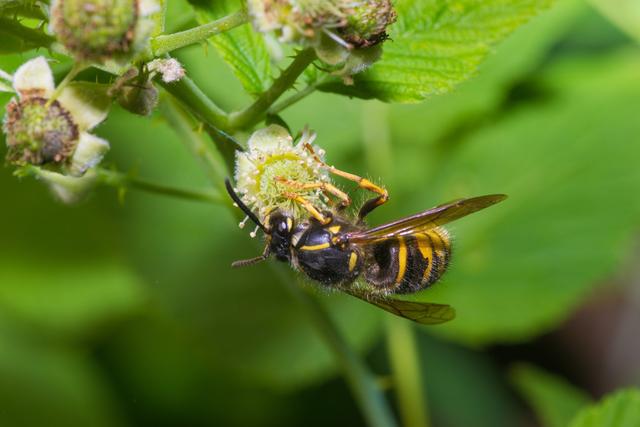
x: 425, y: 313
x: 423, y: 221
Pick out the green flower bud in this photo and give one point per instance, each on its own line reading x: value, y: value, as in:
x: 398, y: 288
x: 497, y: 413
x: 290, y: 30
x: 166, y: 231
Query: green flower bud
x: 99, y: 30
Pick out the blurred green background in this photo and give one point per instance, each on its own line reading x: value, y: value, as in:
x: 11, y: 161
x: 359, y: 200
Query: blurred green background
x: 127, y: 313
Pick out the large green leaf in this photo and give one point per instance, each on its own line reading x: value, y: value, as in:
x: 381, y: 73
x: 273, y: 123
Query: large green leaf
x: 554, y: 400
x: 620, y: 409
x: 624, y: 13
x: 437, y: 44
x: 567, y: 164
x: 242, y: 48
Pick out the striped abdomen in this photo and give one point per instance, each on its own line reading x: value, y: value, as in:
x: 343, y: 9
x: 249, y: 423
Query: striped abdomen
x: 408, y: 264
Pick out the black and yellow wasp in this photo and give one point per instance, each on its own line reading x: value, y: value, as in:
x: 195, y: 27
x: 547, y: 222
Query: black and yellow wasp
x: 400, y: 257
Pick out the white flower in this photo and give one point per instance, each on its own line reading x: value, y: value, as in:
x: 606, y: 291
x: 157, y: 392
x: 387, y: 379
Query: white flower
x: 272, y: 157
x: 55, y: 133
x: 170, y: 69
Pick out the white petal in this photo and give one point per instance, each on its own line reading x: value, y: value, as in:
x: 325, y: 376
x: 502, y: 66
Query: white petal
x: 270, y: 139
x: 87, y: 107
x: 34, y: 78
x: 69, y: 189
x: 89, y: 153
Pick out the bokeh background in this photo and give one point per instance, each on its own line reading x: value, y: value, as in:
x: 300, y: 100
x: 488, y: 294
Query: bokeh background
x: 124, y: 311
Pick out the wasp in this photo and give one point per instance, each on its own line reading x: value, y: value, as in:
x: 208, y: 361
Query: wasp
x: 399, y: 257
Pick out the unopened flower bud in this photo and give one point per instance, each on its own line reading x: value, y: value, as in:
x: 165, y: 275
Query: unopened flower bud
x: 98, y: 30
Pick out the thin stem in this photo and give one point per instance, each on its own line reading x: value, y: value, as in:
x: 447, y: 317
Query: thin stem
x: 75, y: 70
x: 360, y: 380
x: 403, y: 354
x: 196, y: 101
x: 28, y: 37
x: 121, y: 180
x: 407, y: 376
x: 298, y: 96
x: 168, y: 42
x: 199, y: 146
x: 255, y: 112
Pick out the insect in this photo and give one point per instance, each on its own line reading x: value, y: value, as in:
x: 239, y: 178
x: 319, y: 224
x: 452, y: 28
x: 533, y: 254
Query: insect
x: 400, y: 257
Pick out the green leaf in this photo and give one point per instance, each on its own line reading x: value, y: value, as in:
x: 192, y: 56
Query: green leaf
x: 623, y: 13
x: 436, y: 45
x: 19, y: 38
x: 554, y: 400
x: 242, y: 48
x: 620, y: 409
x: 565, y: 160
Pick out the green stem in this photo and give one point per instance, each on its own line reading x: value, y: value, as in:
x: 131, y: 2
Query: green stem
x: 120, y: 180
x: 196, y: 101
x: 403, y: 354
x: 168, y: 42
x: 199, y: 146
x: 298, y: 96
x: 248, y: 117
x: 407, y: 375
x: 363, y: 385
x: 12, y: 32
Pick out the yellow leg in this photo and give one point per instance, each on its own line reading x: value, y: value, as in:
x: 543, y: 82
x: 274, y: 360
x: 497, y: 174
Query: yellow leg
x: 364, y: 183
x: 309, y: 207
x: 324, y: 186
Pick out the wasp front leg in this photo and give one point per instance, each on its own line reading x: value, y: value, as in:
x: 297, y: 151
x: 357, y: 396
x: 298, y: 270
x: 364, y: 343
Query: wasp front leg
x: 364, y: 183
x: 326, y: 187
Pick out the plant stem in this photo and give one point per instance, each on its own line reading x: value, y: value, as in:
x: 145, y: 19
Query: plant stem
x: 368, y: 395
x: 407, y: 377
x: 168, y: 42
x: 12, y: 32
x: 120, y: 180
x: 248, y: 117
x: 288, y: 102
x: 196, y: 101
x: 403, y: 354
x: 199, y: 146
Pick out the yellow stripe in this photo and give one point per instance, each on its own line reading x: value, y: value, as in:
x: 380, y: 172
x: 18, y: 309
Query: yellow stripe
x: 353, y: 258
x: 315, y: 247
x: 438, y: 244
x: 402, y: 260
x: 425, y: 246
x: 334, y: 229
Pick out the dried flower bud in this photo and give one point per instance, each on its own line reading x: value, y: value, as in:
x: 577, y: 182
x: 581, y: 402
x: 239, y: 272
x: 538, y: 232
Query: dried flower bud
x: 271, y: 156
x: 54, y: 133
x: 99, y: 30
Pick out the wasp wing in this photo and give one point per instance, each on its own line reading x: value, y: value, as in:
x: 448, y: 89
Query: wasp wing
x: 426, y: 313
x: 423, y: 221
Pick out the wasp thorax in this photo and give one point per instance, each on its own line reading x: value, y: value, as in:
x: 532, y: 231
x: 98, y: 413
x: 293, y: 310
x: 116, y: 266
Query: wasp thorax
x: 352, y: 23
x: 274, y: 172
x: 95, y: 30
x: 39, y: 132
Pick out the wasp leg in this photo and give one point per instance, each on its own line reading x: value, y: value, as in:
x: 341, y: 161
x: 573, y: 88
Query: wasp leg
x: 326, y: 187
x: 309, y: 207
x: 364, y: 183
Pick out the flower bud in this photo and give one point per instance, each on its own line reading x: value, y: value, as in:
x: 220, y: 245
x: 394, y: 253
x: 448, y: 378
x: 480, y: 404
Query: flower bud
x: 38, y: 133
x: 98, y: 30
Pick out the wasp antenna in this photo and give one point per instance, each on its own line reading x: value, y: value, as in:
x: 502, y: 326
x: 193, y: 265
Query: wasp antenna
x: 247, y: 262
x: 242, y: 206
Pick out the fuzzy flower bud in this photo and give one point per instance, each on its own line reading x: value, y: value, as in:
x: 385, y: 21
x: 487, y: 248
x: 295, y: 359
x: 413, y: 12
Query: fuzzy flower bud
x: 336, y: 28
x: 99, y: 30
x: 272, y: 158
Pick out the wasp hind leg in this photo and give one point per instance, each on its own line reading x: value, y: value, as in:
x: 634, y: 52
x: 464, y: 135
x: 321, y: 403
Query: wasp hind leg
x: 327, y: 188
x: 369, y: 205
